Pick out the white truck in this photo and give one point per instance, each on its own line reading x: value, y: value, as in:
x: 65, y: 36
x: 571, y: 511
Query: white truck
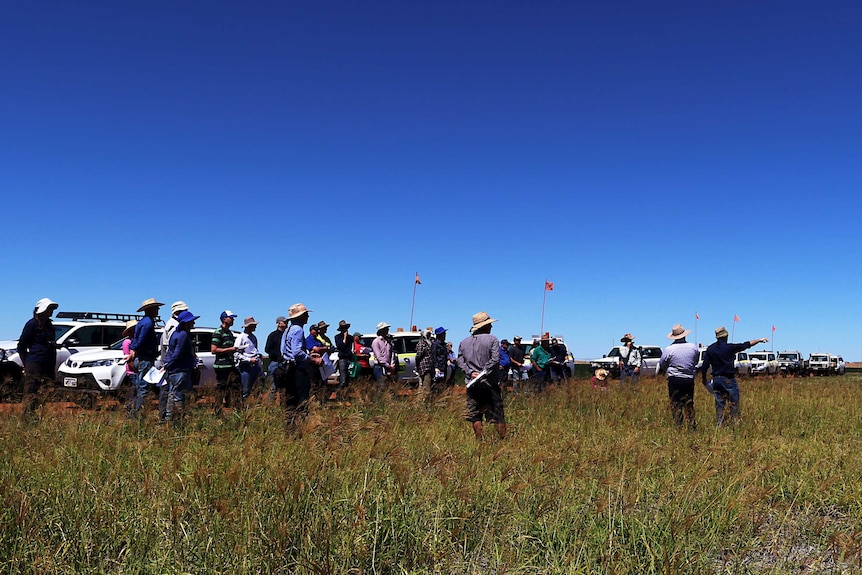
x: 819, y: 363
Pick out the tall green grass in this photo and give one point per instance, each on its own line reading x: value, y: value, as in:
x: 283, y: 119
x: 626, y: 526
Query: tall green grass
x: 588, y: 482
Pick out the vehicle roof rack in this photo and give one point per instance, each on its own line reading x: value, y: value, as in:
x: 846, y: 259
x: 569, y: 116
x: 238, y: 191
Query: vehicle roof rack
x: 100, y: 316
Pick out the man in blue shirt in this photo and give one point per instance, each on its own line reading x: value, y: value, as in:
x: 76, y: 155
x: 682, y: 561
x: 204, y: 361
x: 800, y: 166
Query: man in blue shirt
x: 298, y: 360
x: 144, y: 350
x: 720, y: 356
x: 180, y: 362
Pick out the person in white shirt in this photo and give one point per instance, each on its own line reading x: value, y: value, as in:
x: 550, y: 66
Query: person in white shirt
x: 249, y: 356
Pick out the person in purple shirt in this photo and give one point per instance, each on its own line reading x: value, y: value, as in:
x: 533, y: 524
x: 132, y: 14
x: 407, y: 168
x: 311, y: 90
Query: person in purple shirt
x: 719, y: 356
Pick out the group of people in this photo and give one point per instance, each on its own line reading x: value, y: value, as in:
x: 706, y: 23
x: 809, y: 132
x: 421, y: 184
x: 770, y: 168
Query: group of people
x: 298, y: 363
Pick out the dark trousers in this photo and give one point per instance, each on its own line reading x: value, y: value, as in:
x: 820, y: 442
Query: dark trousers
x: 296, y: 393
x: 681, y: 393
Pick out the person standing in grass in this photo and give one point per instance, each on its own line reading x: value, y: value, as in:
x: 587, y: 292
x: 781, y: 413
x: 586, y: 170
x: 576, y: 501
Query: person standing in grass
x: 250, y: 357
x: 272, y: 348
x: 164, y: 387
x: 425, y: 364
x: 298, y: 362
x: 516, y: 361
x: 479, y: 359
x: 679, y: 360
x: 540, y: 359
x: 180, y: 361
x: 344, y: 345
x: 630, y: 361
x: 223, y: 348
x: 719, y: 356
x: 144, y: 350
x: 38, y: 354
x: 382, y: 348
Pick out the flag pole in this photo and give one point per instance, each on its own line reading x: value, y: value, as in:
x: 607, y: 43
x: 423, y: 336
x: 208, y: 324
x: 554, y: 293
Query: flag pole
x: 733, y: 328
x: 696, y: 317
x: 413, y: 304
x: 544, y: 295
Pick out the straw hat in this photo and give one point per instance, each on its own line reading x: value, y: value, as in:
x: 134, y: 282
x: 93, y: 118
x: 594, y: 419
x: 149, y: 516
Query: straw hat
x: 678, y: 332
x: 382, y: 325
x: 249, y: 321
x: 721, y: 332
x: 480, y: 320
x: 627, y: 337
x: 602, y: 374
x: 130, y: 328
x: 150, y: 303
x: 297, y: 310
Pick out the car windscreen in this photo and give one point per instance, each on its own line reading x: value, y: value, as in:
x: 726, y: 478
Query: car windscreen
x: 60, y: 330
x: 787, y: 357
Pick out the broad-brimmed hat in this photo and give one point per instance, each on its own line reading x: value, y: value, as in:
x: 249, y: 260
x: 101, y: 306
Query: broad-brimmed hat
x: 130, y: 328
x: 297, y: 310
x: 226, y: 314
x: 322, y: 325
x: 187, y: 317
x: 440, y: 330
x: 249, y: 321
x: 343, y: 325
x: 678, y: 332
x: 45, y: 304
x: 517, y: 338
x: 382, y: 325
x: 602, y: 374
x: 627, y: 337
x: 150, y: 303
x: 480, y: 320
x: 721, y: 332
x: 178, y: 306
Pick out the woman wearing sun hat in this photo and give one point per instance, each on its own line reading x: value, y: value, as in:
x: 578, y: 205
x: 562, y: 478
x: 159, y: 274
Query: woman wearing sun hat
x: 38, y: 354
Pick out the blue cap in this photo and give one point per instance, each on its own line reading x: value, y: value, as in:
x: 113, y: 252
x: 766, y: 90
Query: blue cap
x: 187, y: 317
x: 440, y: 330
x: 226, y: 313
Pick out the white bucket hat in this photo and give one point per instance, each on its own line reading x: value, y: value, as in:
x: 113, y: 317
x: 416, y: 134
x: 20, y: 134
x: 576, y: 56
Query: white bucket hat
x: 44, y: 305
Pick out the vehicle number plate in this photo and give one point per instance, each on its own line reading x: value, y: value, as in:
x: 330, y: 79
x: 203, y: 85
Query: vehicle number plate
x: 70, y: 381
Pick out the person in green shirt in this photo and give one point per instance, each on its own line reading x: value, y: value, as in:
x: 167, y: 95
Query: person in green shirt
x: 540, y: 358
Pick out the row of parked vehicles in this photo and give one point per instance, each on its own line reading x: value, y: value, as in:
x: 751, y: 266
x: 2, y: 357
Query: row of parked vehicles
x: 752, y: 363
x: 90, y: 359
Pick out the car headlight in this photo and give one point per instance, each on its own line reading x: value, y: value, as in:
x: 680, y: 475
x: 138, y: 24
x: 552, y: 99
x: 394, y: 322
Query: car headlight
x: 99, y: 363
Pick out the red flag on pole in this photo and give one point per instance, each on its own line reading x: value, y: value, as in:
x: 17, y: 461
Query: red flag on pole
x: 696, y: 315
x: 549, y: 286
x: 773, y: 328
x: 735, y: 317
x: 417, y: 279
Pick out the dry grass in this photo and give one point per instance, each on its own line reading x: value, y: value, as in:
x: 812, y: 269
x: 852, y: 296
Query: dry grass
x: 588, y: 482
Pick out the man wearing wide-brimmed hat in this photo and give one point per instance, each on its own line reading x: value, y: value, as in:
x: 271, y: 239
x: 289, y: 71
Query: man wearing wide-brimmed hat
x: 381, y: 347
x: 38, y: 354
x: 479, y: 359
x: 630, y: 361
x: 249, y: 357
x: 344, y: 345
x: 298, y: 361
x: 679, y: 360
x: 144, y: 350
x: 720, y: 356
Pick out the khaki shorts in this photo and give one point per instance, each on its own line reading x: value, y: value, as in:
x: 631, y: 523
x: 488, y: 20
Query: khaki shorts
x: 485, y: 403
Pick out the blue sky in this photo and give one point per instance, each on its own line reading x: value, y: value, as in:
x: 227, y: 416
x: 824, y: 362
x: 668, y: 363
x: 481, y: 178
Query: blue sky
x: 652, y: 159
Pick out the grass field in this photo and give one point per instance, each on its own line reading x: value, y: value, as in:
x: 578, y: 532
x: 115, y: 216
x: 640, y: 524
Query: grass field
x: 588, y: 482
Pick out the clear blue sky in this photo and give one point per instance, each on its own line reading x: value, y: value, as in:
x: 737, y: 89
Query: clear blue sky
x: 652, y: 159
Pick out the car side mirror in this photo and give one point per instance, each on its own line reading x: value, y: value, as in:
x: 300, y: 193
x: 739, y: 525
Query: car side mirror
x: 69, y: 342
